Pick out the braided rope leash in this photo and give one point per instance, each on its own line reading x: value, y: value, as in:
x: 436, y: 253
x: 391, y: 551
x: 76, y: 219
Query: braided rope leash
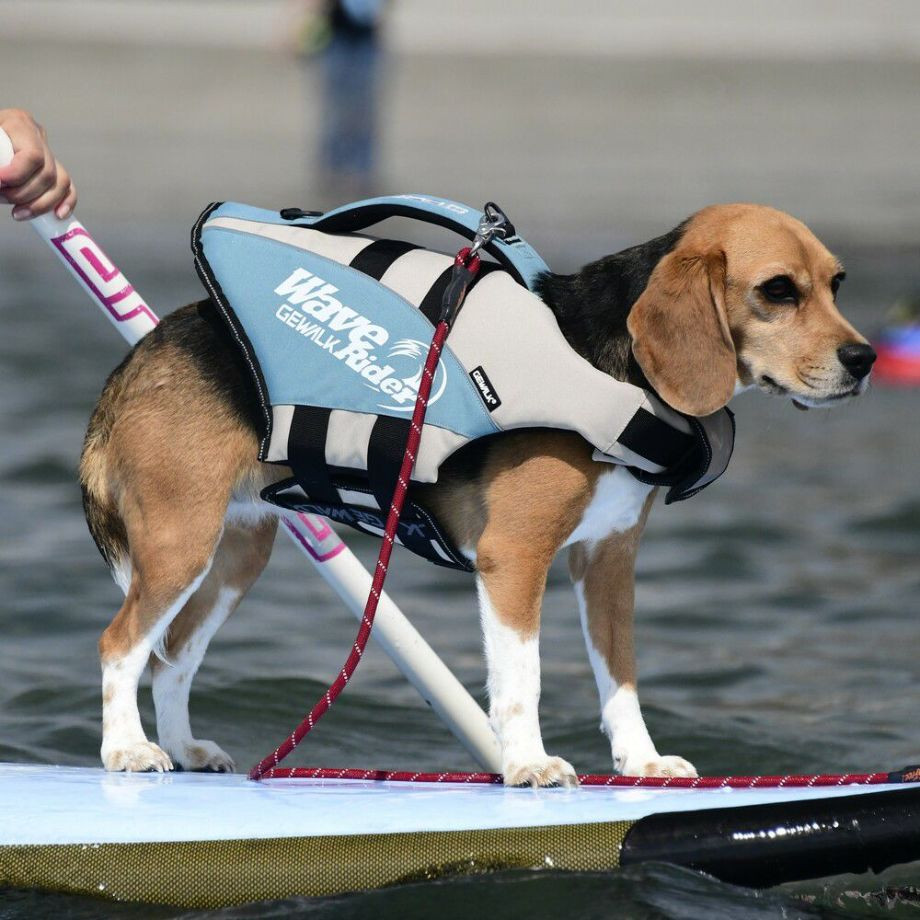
x: 465, y: 269
x: 790, y: 781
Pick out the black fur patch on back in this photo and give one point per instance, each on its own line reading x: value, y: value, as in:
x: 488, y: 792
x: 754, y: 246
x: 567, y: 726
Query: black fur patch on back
x: 592, y: 306
x: 201, y: 334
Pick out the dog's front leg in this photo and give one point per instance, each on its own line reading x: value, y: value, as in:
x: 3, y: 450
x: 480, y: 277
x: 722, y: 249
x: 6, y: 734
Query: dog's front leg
x: 510, y: 591
x: 603, y: 573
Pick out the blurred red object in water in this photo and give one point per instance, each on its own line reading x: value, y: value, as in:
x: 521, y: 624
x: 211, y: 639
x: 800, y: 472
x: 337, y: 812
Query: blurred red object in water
x: 898, y: 362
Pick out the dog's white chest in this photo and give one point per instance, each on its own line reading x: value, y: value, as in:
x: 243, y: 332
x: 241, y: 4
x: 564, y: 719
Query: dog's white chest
x: 615, y: 506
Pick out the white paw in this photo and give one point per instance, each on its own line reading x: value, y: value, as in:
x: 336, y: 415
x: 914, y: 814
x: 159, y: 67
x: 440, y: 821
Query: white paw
x: 201, y: 755
x: 142, y: 757
x: 658, y: 766
x: 544, y: 771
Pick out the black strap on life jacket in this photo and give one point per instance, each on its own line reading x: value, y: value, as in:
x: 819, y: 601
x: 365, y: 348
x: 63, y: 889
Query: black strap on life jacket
x: 690, y: 465
x: 654, y: 439
x: 306, y: 452
x: 384, y: 456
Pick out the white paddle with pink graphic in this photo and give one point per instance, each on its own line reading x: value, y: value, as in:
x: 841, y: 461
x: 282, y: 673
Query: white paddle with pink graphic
x: 438, y: 686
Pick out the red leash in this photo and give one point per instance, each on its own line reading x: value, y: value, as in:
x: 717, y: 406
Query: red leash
x: 601, y: 779
x: 466, y: 266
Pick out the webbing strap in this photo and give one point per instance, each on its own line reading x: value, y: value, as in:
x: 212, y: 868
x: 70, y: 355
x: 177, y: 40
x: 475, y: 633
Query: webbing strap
x: 307, y: 452
x: 385, y: 451
x: 375, y: 259
x: 650, y: 437
x: 430, y: 306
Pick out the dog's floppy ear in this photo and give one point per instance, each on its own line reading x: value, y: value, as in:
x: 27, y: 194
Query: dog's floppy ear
x: 680, y: 334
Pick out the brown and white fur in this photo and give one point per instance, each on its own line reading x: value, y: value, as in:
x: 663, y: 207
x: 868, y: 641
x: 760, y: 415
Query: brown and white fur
x: 738, y: 296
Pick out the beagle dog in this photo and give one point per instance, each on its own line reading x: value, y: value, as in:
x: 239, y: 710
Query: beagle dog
x: 738, y: 296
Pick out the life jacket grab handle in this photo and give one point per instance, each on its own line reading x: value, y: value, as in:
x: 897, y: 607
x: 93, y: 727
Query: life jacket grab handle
x: 512, y: 252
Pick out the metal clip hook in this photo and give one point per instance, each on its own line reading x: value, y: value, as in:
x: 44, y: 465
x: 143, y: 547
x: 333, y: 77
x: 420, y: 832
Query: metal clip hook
x: 494, y: 222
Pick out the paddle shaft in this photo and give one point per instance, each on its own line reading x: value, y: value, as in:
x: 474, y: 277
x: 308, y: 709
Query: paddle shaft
x: 338, y: 566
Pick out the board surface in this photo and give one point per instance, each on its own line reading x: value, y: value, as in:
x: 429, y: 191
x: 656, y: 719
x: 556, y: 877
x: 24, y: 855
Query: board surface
x: 48, y: 805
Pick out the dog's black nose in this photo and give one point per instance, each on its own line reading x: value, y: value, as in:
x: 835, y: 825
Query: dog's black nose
x: 857, y: 359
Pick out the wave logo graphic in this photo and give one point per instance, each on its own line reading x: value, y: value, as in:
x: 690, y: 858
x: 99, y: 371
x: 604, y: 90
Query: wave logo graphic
x: 407, y: 358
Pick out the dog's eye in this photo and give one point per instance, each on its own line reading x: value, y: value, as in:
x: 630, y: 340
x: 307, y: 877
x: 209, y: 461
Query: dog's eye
x: 780, y: 289
x: 835, y: 283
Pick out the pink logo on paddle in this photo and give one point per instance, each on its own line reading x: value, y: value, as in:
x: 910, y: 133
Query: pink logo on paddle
x: 104, y: 280
x: 316, y: 537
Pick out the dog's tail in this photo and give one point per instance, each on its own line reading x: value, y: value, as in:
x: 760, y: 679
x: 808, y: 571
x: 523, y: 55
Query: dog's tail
x: 99, y: 504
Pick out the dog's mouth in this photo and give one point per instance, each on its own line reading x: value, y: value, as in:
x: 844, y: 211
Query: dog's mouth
x: 803, y: 402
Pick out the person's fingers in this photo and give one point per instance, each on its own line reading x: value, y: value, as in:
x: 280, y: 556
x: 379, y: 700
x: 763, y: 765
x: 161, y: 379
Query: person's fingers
x: 30, y: 146
x: 65, y: 208
x: 42, y: 182
x: 21, y: 169
x: 48, y: 199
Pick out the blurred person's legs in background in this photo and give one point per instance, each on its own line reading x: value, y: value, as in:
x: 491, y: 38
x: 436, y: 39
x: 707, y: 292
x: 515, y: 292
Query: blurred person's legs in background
x: 345, y: 38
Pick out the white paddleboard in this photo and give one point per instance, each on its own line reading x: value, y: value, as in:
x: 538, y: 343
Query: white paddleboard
x: 128, y: 836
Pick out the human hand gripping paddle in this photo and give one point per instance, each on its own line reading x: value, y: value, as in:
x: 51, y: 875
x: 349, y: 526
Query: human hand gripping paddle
x: 133, y: 318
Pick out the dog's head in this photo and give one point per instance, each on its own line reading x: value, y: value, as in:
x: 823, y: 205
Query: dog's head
x: 746, y: 298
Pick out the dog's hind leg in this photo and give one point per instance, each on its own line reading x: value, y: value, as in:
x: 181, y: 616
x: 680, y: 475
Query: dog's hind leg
x: 171, y: 440
x: 169, y: 563
x: 239, y: 560
x: 172, y: 510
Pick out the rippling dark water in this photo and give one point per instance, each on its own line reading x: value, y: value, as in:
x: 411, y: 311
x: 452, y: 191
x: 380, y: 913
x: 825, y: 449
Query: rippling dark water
x: 776, y: 631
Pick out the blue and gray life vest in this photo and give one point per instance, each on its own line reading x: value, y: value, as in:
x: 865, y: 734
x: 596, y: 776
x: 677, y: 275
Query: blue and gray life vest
x: 335, y: 326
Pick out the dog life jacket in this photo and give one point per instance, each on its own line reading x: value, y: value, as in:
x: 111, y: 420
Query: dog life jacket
x: 335, y: 327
